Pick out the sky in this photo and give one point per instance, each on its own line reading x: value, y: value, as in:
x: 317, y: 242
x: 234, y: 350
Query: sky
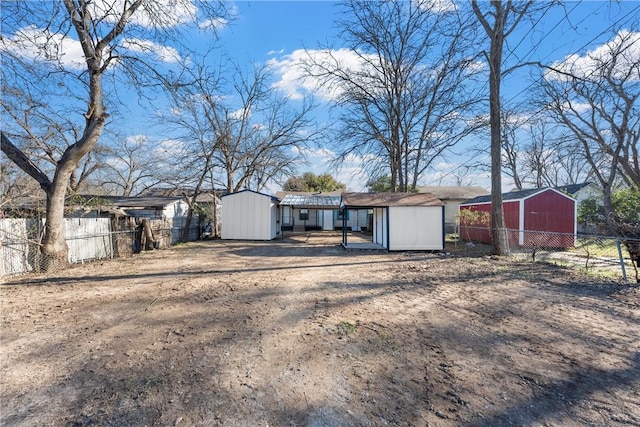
x: 276, y: 32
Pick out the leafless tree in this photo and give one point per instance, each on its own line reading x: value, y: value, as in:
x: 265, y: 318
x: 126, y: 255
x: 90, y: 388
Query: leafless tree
x: 596, y: 98
x: 247, y: 136
x: 499, y: 20
x: 244, y: 137
x: 512, y: 147
x: 405, y: 99
x: 130, y: 166
x: 37, y: 47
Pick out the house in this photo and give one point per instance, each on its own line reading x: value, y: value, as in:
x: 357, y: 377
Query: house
x: 152, y: 221
x: 207, y: 202
x: 302, y: 211
x: 400, y: 221
x: 581, y: 192
x: 250, y: 215
x: 542, y: 217
x: 452, y: 196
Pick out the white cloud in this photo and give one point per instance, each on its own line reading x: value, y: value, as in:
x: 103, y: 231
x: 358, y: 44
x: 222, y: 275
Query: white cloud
x: 168, y: 148
x: 163, y: 53
x: 275, y: 52
x: 625, y: 46
x: 437, y: 6
x: 156, y: 14
x: 42, y: 45
x: 216, y: 24
x: 296, y: 82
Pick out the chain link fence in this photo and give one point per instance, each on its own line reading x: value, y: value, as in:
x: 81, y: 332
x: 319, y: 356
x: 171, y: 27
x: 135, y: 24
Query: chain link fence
x: 87, y: 240
x: 608, y: 256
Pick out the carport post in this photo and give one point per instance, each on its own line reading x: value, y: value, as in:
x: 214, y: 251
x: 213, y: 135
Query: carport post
x: 344, y: 227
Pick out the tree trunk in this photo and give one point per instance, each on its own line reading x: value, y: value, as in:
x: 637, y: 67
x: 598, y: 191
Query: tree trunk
x: 496, y: 36
x: 54, y: 249
x: 497, y: 212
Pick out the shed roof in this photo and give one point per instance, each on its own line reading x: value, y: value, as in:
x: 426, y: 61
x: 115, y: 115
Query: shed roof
x: 274, y: 198
x: 513, y: 195
x: 311, y: 201
x: 374, y: 200
x: 453, y: 192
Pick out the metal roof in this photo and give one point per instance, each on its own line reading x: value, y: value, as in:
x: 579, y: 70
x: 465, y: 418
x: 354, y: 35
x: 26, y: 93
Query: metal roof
x: 374, y: 200
x: 311, y: 201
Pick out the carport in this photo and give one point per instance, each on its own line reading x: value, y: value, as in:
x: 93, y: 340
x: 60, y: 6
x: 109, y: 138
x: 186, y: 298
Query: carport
x: 401, y: 221
x: 305, y: 212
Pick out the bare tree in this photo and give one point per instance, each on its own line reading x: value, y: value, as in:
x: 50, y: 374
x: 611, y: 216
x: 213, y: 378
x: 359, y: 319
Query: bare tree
x: 130, y: 166
x: 260, y: 137
x: 499, y: 21
x: 37, y: 46
x: 596, y: 99
x: 512, y: 152
x: 245, y: 137
x: 405, y: 100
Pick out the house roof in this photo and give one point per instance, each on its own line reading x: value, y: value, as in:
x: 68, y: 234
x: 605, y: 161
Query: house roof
x: 149, y: 202
x: 311, y: 201
x: 513, y: 195
x: 373, y: 200
x: 204, y: 196
x: 454, y: 193
x: 572, y: 188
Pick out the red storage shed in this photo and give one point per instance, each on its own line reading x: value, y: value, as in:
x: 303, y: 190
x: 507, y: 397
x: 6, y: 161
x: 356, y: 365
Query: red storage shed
x: 542, y: 217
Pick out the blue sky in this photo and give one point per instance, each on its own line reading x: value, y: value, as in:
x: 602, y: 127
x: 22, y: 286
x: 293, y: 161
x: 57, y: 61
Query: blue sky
x: 275, y: 32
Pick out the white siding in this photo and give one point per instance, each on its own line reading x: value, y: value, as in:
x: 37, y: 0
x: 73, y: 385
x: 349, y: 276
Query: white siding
x: 415, y: 228
x: 248, y: 216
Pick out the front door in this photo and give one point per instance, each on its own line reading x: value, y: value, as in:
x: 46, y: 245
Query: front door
x: 327, y: 220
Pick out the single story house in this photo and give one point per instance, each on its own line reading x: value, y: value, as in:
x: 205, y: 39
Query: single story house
x: 303, y: 211
x: 400, y: 221
x: 452, y: 196
x: 250, y: 215
x: 543, y: 217
x: 166, y: 217
x: 581, y: 192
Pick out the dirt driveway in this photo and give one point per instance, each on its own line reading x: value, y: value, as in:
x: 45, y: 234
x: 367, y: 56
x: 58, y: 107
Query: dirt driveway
x: 300, y: 333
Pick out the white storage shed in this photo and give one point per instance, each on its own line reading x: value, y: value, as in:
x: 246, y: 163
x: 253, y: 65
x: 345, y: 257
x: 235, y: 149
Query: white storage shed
x: 249, y: 215
x: 401, y: 221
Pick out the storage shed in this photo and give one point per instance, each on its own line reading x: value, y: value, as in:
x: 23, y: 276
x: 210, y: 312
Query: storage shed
x: 249, y: 215
x: 538, y: 217
x: 401, y: 221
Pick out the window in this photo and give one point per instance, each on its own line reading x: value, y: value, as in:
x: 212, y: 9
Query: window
x: 341, y: 214
x: 304, y: 214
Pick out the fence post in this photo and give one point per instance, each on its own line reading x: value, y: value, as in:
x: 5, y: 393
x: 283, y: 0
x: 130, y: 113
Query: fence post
x: 624, y: 271
x: 505, y: 234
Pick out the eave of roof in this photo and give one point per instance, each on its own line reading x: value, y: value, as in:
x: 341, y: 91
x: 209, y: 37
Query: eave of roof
x: 375, y: 200
x: 311, y: 201
x: 453, y: 192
